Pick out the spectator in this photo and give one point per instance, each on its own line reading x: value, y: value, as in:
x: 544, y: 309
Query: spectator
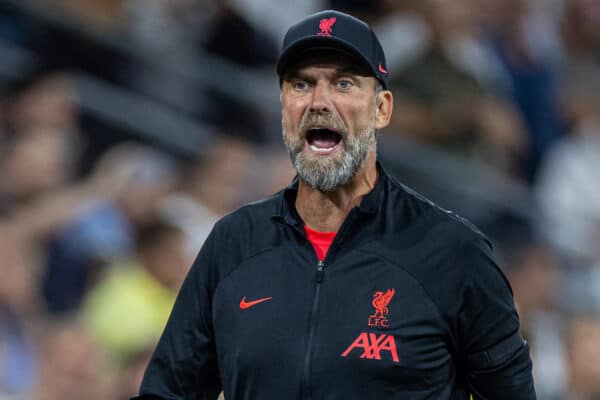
x: 102, y: 15
x: 583, y: 337
x: 19, y: 312
x: 132, y: 372
x: 460, y: 110
x: 234, y: 39
x: 369, y: 10
x: 36, y: 164
x: 580, y: 30
x: 72, y: 365
x: 45, y: 103
x: 567, y: 189
x: 536, y: 277
x: 219, y: 181
x: 525, y: 42
x: 127, y: 310
x: 104, y: 228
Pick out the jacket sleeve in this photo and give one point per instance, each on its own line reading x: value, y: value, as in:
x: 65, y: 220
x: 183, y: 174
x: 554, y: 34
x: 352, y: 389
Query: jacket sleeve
x: 496, y: 358
x: 184, y: 363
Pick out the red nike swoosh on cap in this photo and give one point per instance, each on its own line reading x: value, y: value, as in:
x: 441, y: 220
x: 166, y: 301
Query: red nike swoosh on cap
x: 247, y: 304
x: 381, y: 69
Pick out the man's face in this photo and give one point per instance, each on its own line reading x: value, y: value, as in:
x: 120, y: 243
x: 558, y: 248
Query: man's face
x: 329, y: 109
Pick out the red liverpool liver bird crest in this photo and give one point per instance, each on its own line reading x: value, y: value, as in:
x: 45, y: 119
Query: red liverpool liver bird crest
x: 325, y: 25
x: 380, y: 302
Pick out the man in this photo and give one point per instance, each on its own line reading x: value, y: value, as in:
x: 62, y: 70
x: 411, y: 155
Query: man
x: 345, y: 285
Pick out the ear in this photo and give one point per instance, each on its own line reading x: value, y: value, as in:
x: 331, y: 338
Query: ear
x: 385, y: 106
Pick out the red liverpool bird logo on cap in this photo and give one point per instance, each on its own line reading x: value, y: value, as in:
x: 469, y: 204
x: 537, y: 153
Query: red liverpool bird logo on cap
x: 325, y: 26
x: 380, y: 302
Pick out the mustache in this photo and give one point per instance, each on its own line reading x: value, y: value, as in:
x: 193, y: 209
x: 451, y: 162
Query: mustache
x: 329, y: 121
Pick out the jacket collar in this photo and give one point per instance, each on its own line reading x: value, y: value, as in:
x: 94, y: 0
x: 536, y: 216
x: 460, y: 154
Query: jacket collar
x: 369, y: 204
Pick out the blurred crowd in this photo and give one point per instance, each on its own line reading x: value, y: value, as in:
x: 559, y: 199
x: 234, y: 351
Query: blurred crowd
x: 99, y: 223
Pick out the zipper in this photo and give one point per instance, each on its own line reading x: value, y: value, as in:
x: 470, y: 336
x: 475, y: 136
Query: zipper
x: 320, y: 267
x: 306, y: 383
x: 311, y: 332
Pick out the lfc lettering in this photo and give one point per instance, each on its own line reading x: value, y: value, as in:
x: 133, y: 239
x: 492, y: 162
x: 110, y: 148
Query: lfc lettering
x: 378, y: 322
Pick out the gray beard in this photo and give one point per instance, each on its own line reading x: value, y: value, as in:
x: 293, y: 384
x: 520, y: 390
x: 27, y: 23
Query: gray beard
x: 326, y: 174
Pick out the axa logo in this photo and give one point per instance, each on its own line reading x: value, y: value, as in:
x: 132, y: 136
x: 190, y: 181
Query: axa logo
x: 372, y: 346
x: 380, y: 302
x: 325, y: 25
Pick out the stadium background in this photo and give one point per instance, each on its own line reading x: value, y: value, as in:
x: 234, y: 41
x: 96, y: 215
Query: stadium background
x: 127, y: 127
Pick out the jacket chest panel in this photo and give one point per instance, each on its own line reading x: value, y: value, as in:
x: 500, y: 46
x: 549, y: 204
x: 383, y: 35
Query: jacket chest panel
x: 371, y: 317
x: 260, y: 313
x: 377, y: 319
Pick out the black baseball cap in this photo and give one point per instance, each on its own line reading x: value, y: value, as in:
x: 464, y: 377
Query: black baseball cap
x: 334, y: 30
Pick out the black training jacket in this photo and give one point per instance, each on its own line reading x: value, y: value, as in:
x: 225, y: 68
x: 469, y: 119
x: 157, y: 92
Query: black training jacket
x: 408, y: 305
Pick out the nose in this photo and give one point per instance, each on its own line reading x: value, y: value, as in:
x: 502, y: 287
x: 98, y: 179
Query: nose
x: 320, y: 101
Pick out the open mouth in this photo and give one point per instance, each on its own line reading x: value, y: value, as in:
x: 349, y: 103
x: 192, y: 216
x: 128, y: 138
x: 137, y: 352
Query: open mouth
x: 322, y: 140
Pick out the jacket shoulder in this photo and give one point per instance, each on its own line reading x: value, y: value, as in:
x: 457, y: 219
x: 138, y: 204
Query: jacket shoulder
x: 250, y: 216
x: 435, y: 222
x: 248, y: 230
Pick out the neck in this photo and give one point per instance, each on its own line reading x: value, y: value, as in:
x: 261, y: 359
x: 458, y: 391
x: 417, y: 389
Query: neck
x: 326, y: 211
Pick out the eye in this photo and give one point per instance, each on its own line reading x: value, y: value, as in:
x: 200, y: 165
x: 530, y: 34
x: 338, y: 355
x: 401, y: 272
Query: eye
x: 344, y: 84
x: 300, y: 85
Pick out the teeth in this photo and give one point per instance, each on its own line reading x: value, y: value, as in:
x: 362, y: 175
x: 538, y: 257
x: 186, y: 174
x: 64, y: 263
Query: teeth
x: 321, y: 149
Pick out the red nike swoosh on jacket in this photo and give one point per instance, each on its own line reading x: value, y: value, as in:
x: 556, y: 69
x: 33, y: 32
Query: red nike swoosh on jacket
x: 247, y: 304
